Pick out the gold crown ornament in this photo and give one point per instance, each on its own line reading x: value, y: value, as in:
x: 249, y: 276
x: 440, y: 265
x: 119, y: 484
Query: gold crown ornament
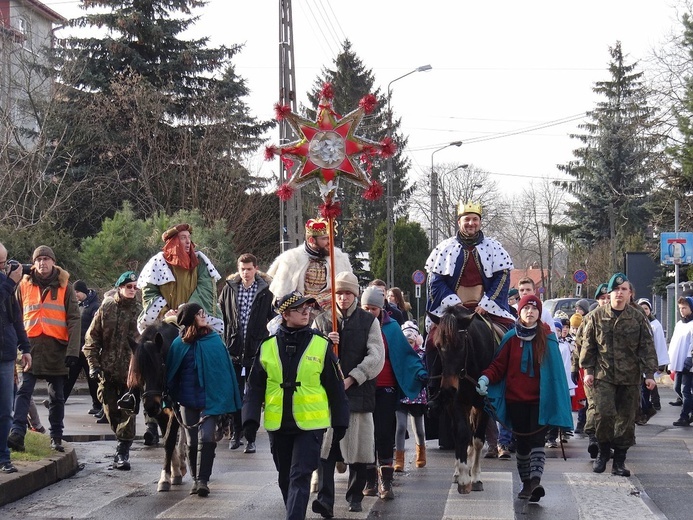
x: 317, y: 227
x: 468, y: 207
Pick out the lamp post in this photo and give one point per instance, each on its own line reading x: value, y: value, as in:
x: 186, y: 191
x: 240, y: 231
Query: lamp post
x: 434, y: 194
x: 390, y: 269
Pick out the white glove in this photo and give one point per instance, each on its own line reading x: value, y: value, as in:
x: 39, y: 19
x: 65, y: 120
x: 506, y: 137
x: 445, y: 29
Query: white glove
x: 482, y: 386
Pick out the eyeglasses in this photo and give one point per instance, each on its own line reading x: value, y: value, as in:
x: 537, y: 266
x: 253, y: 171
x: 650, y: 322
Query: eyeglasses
x: 131, y: 286
x: 301, y: 310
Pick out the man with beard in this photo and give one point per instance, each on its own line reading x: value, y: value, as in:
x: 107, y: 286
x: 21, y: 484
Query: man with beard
x: 176, y: 275
x: 471, y: 270
x: 306, y: 268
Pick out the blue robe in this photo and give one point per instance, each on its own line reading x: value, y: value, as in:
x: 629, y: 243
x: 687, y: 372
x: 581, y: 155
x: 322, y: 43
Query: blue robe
x: 408, y: 367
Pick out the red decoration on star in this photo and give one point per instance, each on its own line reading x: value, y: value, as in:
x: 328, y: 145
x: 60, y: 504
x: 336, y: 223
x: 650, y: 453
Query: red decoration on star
x: 329, y: 148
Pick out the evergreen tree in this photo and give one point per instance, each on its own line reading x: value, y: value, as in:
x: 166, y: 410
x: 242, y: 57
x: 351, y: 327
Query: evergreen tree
x: 167, y: 126
x: 614, y: 170
x: 351, y: 80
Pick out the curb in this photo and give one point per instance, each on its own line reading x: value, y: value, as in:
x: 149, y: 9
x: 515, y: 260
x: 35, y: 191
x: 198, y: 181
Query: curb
x: 36, y: 475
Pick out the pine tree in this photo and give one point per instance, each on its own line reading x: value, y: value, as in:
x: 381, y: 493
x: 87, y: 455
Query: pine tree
x: 351, y: 80
x: 167, y: 127
x: 614, y: 171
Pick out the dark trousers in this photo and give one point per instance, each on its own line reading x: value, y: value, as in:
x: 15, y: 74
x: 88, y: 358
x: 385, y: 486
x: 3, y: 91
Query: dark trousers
x: 56, y: 404
x: 357, y: 479
x: 72, y: 378
x: 525, y: 419
x: 385, y: 424
x: 296, y: 456
x: 237, y: 420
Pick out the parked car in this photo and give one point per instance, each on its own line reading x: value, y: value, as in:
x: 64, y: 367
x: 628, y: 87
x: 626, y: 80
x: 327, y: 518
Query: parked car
x: 566, y: 305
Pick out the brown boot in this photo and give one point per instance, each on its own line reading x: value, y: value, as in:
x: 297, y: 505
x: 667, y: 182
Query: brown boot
x: 420, y: 455
x: 399, y: 460
x: 385, y: 488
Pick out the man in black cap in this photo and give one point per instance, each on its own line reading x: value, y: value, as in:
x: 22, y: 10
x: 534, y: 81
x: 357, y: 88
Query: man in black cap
x: 617, y: 349
x: 52, y: 322
x: 297, y: 377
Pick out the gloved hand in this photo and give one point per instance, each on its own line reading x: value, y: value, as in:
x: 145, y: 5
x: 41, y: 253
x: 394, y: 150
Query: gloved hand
x: 575, y: 376
x: 71, y: 361
x: 95, y: 373
x: 250, y: 428
x: 338, y: 433
x: 482, y: 386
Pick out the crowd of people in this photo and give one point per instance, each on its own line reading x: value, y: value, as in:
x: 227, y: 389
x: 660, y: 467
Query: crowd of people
x: 334, y: 374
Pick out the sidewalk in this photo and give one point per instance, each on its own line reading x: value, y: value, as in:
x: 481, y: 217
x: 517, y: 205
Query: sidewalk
x: 79, y: 427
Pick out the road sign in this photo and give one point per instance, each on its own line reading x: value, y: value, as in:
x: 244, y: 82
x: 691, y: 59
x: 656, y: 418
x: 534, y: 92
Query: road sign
x: 417, y: 290
x: 580, y: 276
x: 419, y: 277
x: 676, y: 248
x: 578, y: 290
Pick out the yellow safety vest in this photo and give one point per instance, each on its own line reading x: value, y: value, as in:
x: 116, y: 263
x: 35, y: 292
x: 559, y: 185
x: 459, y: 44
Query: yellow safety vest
x: 309, y: 400
x: 47, y: 316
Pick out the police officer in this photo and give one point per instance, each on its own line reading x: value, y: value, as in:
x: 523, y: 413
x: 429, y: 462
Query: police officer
x: 617, y: 349
x: 297, y: 377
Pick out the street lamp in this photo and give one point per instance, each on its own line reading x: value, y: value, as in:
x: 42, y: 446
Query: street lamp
x: 434, y: 195
x: 390, y: 275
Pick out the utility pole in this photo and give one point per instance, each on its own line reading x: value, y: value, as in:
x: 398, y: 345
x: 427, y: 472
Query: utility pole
x: 290, y: 214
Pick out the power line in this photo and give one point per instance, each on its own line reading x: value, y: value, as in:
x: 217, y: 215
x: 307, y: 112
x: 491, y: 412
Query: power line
x: 336, y: 19
x: 316, y: 23
x: 325, y: 16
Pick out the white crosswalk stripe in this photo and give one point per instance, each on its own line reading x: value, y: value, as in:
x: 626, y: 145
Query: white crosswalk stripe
x: 494, y: 503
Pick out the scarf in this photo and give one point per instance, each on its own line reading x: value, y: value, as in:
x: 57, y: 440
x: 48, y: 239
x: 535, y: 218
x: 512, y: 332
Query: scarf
x: 526, y: 335
x: 470, y: 241
x: 174, y: 254
x: 317, y: 255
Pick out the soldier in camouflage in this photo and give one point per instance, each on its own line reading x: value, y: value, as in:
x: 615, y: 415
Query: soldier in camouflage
x: 107, y: 349
x: 617, y: 349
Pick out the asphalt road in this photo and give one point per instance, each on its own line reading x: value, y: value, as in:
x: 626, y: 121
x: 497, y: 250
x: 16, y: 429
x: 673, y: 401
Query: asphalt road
x: 244, y: 485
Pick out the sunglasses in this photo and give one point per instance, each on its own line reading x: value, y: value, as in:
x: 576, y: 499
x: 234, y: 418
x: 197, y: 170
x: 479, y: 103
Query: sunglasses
x: 131, y: 286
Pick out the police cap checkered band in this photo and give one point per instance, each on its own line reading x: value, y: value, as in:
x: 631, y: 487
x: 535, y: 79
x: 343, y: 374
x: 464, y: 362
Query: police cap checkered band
x: 292, y: 300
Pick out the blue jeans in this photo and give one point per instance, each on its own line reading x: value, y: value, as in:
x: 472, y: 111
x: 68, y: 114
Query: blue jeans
x: 505, y: 436
x: 686, y: 394
x: 56, y: 406
x: 6, y: 400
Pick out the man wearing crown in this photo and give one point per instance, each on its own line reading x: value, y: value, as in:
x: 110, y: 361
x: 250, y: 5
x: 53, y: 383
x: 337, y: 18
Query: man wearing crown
x: 467, y: 269
x: 306, y: 268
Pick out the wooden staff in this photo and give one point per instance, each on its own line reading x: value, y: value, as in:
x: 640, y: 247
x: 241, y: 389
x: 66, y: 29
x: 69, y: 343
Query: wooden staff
x: 333, y: 293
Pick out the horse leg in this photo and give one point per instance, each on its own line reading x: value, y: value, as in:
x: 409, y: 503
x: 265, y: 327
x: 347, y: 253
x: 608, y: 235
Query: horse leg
x: 178, y: 466
x: 462, y: 440
x: 481, y: 421
x: 169, y: 444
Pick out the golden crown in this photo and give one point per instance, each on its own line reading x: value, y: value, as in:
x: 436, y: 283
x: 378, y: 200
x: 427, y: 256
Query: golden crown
x: 317, y: 227
x: 468, y: 207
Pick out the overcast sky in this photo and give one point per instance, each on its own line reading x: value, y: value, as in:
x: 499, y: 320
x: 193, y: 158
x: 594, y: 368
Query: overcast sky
x: 498, y: 66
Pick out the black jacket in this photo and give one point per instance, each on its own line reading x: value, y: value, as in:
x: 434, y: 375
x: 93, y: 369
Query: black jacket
x: 330, y: 379
x: 87, y: 311
x: 242, y: 352
x: 12, y: 334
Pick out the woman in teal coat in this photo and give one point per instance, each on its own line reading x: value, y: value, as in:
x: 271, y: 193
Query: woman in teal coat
x: 201, y: 379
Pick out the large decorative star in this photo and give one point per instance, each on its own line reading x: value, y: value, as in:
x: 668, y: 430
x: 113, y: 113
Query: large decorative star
x: 329, y: 148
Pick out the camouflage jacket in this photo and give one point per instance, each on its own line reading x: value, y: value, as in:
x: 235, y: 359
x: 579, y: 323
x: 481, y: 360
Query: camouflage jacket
x: 620, y: 349
x: 107, y: 345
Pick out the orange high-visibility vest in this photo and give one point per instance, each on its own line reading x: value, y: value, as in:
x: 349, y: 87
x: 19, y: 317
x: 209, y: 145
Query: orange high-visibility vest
x: 47, y: 317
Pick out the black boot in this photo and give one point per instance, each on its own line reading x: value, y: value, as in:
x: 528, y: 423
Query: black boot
x: 387, y: 473
x: 151, y: 435
x: 599, y: 464
x: 206, y: 462
x: 537, y: 489
x: 592, y: 446
x: 619, y: 465
x: 235, y: 440
x: 192, y: 462
x: 122, y: 456
x: 371, y: 489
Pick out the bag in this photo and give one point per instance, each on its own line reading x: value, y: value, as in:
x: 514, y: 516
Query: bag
x: 688, y: 364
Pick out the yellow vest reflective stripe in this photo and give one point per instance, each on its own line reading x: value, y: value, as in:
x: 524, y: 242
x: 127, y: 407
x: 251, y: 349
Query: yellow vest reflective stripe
x: 309, y: 400
x: 48, y: 317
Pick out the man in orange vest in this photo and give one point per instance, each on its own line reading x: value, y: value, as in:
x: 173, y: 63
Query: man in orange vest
x: 52, y: 322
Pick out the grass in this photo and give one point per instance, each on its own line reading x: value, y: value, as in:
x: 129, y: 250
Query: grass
x: 38, y: 447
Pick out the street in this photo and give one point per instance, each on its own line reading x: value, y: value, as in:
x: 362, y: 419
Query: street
x: 244, y: 485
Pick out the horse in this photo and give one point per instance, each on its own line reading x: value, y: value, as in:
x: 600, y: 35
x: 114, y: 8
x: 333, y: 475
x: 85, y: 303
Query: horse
x: 148, y: 374
x: 466, y: 344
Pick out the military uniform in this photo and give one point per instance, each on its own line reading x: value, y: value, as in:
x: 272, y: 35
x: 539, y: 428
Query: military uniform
x: 617, y: 349
x: 107, y: 348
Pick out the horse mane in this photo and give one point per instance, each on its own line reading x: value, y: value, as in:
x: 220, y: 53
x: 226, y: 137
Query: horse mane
x: 146, y: 357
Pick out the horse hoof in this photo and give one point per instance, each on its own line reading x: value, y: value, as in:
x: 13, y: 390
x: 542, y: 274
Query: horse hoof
x: 477, y: 486
x: 464, y: 489
x: 455, y: 479
x: 163, y: 486
x: 177, y: 480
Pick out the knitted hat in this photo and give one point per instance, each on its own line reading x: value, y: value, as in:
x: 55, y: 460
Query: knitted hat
x: 584, y: 305
x: 530, y: 299
x: 81, y: 286
x: 601, y: 291
x: 186, y: 314
x: 616, y: 280
x: 575, y: 320
x: 126, y: 277
x: 172, y: 232
x: 43, y: 251
x: 645, y: 301
x: 373, y: 297
x: 346, y: 281
x: 292, y: 300
x: 317, y: 227
x: 411, y: 331
x: 558, y: 324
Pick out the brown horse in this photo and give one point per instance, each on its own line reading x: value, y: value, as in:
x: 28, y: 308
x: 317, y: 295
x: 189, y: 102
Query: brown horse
x: 465, y: 342
x: 148, y: 374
